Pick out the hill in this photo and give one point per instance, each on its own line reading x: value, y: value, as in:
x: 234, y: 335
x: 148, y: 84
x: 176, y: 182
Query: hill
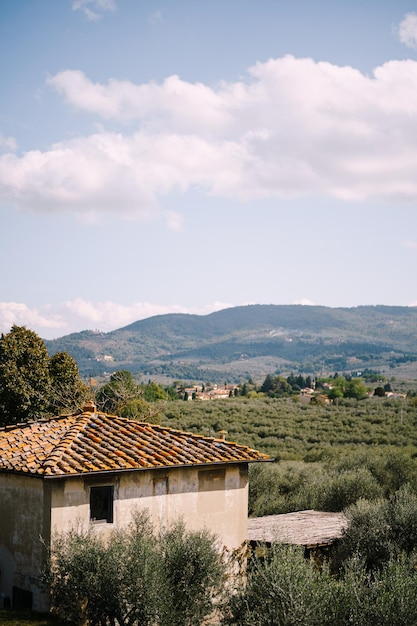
x: 251, y: 341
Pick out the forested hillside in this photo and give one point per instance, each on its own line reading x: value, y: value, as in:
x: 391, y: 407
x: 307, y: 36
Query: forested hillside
x: 251, y: 341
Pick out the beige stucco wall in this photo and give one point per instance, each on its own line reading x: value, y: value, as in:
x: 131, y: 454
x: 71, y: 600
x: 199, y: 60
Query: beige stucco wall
x: 215, y: 498
x: 24, y: 521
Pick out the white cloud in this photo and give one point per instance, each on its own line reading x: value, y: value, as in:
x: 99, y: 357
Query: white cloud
x: 79, y: 314
x: 108, y: 315
x: 107, y: 172
x: 22, y: 315
x: 174, y: 221
x: 409, y: 244
x: 156, y: 17
x: 94, y: 9
x: 293, y: 127
x: 305, y: 302
x: 407, y: 30
x: 7, y: 143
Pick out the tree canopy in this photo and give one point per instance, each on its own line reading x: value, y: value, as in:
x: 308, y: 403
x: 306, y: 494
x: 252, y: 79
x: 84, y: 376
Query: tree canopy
x: 118, y: 392
x: 123, y: 396
x: 25, y: 383
x: 67, y: 389
x: 33, y: 385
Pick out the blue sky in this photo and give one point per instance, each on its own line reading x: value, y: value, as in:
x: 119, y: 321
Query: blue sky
x: 185, y: 156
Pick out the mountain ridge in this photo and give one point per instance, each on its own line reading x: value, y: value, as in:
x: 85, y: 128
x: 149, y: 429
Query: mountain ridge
x: 250, y: 340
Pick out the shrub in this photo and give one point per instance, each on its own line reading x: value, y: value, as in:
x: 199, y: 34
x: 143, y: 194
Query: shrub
x: 402, y: 518
x: 396, y: 469
x: 285, y: 589
x: 134, y: 578
x: 191, y: 575
x: 280, y: 488
x: 100, y: 582
x: 367, y: 534
x: 335, y: 492
x: 380, y: 530
x: 393, y: 595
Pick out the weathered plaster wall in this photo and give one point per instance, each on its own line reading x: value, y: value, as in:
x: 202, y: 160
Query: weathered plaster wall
x: 23, y: 523
x: 215, y: 498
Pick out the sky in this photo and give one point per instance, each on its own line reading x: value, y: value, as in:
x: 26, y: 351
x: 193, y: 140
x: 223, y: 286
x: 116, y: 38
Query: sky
x: 184, y: 156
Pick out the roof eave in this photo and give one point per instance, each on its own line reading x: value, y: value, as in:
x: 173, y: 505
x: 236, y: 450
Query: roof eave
x: 125, y: 470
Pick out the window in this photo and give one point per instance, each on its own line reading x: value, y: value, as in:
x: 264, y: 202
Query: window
x: 211, y: 480
x: 22, y: 599
x: 101, y: 504
x: 160, y: 486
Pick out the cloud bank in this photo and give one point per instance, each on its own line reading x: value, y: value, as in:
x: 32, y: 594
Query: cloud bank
x: 79, y: 314
x: 293, y: 127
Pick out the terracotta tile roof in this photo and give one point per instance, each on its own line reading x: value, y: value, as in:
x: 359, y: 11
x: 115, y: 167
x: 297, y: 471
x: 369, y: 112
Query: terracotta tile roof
x: 96, y: 442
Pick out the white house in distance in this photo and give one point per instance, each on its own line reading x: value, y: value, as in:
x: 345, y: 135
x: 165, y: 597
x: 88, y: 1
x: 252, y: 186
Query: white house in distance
x: 96, y: 469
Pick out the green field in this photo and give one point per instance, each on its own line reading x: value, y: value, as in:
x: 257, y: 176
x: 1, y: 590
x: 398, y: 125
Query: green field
x: 326, y: 456
x: 288, y: 430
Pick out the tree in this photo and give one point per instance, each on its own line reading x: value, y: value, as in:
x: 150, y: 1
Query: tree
x: 355, y: 389
x: 268, y: 384
x: 153, y: 392
x: 33, y: 385
x: 276, y: 386
x: 367, y: 534
x: 118, y: 392
x: 335, y: 393
x: 25, y: 380
x: 141, y: 410
x: 68, y: 392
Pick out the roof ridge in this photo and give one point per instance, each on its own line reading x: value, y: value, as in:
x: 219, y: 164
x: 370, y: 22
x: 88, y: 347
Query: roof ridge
x: 42, y: 420
x: 67, y: 438
x: 199, y: 435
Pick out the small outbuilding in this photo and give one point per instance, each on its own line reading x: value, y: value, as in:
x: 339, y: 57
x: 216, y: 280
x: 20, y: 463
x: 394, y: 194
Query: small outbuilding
x: 316, y: 531
x: 95, y: 469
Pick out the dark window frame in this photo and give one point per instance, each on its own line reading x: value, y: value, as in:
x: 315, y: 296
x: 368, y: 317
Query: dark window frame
x: 102, y: 503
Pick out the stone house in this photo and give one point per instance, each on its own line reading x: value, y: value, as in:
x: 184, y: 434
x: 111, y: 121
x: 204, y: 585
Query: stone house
x: 94, y: 469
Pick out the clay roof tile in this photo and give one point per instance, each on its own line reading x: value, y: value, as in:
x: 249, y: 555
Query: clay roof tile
x: 96, y: 442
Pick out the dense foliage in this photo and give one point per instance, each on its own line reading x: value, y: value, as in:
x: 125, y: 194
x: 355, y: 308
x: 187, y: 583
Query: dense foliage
x: 381, y: 530
x: 123, y: 396
x: 33, y: 385
x: 135, y: 577
x: 25, y: 384
x: 331, y: 485
x: 284, y: 589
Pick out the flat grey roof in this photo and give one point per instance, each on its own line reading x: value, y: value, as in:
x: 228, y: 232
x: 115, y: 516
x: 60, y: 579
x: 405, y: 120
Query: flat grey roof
x: 302, y: 528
